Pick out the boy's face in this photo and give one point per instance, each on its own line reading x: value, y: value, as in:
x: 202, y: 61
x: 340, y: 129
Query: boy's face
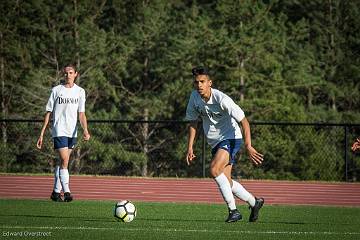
x: 70, y: 74
x: 202, y: 84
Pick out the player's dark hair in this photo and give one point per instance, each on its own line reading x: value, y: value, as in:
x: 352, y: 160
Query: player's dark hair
x: 199, y: 71
x: 71, y: 66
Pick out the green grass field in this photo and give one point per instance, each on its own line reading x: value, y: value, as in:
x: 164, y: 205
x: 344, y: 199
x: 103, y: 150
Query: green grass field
x: 42, y: 219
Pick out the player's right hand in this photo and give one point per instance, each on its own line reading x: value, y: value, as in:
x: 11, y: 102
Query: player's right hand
x: 39, y: 142
x: 190, y: 156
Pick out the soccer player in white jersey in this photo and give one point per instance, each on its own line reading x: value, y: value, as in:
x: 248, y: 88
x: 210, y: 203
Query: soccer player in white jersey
x: 220, y: 117
x: 66, y: 102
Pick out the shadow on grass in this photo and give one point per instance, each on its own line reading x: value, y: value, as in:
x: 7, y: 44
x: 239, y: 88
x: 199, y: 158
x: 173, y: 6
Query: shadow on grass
x: 179, y: 220
x: 300, y: 223
x: 87, y: 219
x: 284, y: 222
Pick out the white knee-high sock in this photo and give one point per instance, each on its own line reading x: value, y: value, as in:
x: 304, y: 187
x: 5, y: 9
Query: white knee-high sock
x: 240, y: 192
x: 57, y: 183
x: 225, y: 189
x: 64, y: 178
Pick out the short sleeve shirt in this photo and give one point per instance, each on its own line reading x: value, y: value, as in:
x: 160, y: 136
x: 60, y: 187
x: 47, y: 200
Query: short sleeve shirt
x: 65, y: 103
x: 220, y: 116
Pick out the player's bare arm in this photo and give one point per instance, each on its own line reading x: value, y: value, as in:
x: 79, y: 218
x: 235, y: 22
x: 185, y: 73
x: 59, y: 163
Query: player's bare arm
x: 46, y: 122
x: 83, y: 122
x: 356, y: 145
x: 190, y: 156
x: 255, y: 156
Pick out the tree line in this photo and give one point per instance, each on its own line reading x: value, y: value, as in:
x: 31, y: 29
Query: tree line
x: 292, y: 61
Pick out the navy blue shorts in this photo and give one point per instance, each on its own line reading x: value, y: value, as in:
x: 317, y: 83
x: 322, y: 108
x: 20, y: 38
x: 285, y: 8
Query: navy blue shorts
x: 64, y: 142
x: 231, y: 145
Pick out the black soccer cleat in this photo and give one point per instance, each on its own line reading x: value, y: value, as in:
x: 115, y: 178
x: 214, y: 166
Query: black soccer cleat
x: 259, y: 202
x: 234, y: 216
x: 56, y: 197
x: 67, y: 197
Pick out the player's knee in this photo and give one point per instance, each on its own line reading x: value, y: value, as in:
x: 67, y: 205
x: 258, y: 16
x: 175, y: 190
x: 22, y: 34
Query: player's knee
x: 215, y: 171
x: 64, y: 164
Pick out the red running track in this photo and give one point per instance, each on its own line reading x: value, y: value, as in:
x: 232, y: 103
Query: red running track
x: 181, y: 190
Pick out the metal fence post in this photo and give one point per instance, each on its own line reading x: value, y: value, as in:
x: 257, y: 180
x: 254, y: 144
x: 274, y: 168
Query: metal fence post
x: 346, y: 130
x: 203, y: 154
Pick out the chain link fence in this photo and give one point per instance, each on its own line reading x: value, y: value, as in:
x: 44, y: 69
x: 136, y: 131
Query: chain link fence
x: 158, y: 149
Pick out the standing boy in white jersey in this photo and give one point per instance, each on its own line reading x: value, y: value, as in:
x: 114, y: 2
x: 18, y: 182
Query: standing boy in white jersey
x: 65, y: 102
x: 220, y: 117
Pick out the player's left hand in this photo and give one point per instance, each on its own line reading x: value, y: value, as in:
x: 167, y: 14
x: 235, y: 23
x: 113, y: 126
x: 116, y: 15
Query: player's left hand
x: 255, y: 157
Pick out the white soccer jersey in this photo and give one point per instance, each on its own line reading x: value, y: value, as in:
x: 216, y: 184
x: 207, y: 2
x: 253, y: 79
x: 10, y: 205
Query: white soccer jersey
x: 220, y: 116
x: 65, y: 103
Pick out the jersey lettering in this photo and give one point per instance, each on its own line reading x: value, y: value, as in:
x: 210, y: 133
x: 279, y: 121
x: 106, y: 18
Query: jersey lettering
x: 68, y: 100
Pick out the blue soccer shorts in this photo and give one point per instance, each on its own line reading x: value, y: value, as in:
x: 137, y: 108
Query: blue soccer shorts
x: 232, y: 146
x: 64, y: 142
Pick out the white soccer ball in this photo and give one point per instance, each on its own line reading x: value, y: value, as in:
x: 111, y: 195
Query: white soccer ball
x: 125, y: 211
